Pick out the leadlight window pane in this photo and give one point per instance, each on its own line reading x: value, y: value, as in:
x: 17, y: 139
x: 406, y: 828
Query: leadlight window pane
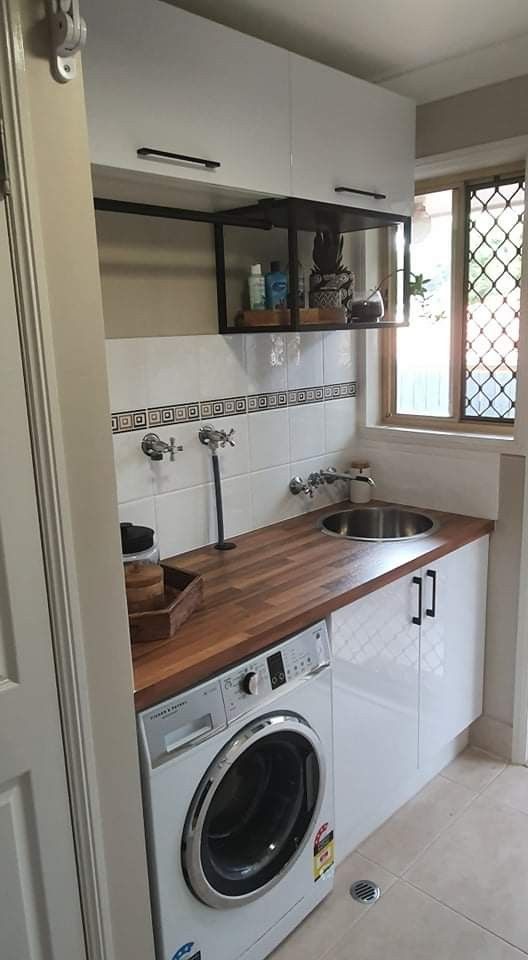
x: 494, y: 237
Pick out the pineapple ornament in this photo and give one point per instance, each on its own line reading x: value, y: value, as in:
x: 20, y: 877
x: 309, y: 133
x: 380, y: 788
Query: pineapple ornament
x: 331, y: 283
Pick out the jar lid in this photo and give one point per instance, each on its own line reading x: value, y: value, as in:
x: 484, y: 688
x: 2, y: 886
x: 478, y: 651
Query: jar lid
x: 135, y: 539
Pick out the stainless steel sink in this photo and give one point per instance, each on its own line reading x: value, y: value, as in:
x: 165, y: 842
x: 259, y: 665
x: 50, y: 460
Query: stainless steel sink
x: 378, y: 523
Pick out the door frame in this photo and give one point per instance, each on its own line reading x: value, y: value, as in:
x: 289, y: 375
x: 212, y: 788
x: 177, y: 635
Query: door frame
x: 23, y: 49
x: 53, y: 503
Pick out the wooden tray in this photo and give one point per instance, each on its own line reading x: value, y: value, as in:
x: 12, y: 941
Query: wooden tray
x: 308, y: 317
x: 183, y: 595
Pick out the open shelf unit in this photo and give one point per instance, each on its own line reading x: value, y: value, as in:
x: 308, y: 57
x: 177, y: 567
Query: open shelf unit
x: 378, y: 244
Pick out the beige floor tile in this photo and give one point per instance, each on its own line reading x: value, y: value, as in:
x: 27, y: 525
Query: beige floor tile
x: 407, y: 925
x: 404, y: 837
x: 474, y: 769
x: 330, y: 921
x: 511, y: 788
x: 480, y: 868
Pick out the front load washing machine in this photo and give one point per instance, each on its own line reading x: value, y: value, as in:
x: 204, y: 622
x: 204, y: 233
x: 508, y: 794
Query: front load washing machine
x: 238, y: 793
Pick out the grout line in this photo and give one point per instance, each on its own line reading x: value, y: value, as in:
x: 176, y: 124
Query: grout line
x: 460, y: 913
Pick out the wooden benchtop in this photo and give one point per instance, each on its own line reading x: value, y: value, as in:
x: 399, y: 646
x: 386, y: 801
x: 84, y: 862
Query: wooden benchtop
x: 279, y: 580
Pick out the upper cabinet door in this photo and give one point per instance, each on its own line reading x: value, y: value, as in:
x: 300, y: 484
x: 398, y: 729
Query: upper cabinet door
x: 159, y: 77
x: 348, y: 133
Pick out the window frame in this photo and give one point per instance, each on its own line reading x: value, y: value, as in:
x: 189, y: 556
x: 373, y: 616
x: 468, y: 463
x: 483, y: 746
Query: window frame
x: 454, y: 423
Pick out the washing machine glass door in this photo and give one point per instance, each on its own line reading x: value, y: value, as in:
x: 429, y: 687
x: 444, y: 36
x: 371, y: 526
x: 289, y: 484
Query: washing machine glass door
x: 253, y: 810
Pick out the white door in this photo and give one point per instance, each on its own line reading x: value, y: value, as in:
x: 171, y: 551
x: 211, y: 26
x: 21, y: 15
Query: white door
x: 351, y: 134
x: 452, y: 645
x: 375, y: 647
x: 156, y: 76
x: 39, y: 902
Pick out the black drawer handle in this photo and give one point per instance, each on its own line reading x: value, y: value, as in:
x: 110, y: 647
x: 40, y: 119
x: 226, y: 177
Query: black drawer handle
x: 166, y: 155
x: 431, y: 611
x: 363, y: 193
x: 418, y: 620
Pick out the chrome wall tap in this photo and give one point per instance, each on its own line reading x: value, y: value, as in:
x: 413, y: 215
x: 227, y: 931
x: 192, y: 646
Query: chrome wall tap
x: 155, y: 448
x: 214, y: 438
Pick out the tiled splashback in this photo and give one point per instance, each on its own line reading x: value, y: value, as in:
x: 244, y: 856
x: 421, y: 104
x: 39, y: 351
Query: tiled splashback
x: 289, y: 397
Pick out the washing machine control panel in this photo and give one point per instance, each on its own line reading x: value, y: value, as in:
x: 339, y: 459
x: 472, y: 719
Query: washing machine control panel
x: 254, y: 682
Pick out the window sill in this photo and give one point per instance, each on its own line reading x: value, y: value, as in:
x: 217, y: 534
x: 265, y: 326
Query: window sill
x: 414, y: 436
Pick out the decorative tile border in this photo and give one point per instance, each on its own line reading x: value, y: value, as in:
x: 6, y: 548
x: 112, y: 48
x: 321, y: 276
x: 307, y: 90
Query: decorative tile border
x: 129, y: 420
x: 180, y: 413
x: 229, y: 407
x: 267, y: 401
x: 223, y: 408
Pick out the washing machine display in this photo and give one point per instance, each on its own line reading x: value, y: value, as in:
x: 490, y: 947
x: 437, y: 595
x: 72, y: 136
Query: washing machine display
x: 252, y: 813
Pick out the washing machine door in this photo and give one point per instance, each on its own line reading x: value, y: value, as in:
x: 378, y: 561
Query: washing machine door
x: 253, y: 811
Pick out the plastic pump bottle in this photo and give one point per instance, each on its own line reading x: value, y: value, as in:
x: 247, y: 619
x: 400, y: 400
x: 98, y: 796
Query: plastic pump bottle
x: 257, y: 288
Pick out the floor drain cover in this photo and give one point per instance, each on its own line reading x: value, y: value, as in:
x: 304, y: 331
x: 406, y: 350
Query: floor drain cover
x: 365, y: 891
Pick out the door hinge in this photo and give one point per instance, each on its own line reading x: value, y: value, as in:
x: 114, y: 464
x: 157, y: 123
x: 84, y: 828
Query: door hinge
x: 5, y: 186
x: 68, y: 36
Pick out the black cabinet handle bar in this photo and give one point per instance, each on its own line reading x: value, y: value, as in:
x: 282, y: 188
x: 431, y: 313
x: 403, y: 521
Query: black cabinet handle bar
x: 363, y: 193
x: 166, y: 155
x: 418, y: 620
x: 431, y: 611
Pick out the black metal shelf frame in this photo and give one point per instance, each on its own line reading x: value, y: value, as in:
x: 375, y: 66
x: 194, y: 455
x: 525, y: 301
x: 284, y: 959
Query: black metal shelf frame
x: 287, y: 213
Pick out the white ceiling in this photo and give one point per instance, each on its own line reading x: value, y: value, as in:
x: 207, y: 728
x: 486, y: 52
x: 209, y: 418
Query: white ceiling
x: 402, y: 43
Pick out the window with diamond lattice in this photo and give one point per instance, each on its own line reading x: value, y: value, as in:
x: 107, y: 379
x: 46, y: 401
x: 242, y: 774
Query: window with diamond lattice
x: 494, y: 226
x: 455, y: 365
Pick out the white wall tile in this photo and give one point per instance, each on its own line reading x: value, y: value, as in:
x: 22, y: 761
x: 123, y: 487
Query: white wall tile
x: 191, y: 467
x: 236, y: 499
x: 140, y: 512
x: 222, y: 366
x: 183, y: 520
x: 266, y: 361
x: 271, y: 499
x: 270, y: 447
x: 340, y: 424
x: 466, y: 482
x: 307, y: 431
x: 305, y: 360
x: 269, y: 439
x: 125, y: 361
x: 339, y: 356
x: 172, y: 370
x: 133, y: 470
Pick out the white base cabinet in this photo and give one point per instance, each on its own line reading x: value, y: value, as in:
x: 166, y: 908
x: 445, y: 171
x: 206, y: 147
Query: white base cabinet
x: 408, y: 665
x: 452, y: 645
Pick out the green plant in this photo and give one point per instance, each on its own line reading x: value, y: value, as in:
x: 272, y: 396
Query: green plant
x: 419, y: 289
x: 328, y: 252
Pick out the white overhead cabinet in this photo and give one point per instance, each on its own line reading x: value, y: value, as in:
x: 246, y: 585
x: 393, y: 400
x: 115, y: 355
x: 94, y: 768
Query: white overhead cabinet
x: 159, y: 77
x: 408, y: 675
x: 350, y: 134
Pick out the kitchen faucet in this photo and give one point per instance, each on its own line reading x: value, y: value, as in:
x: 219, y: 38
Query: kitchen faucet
x: 314, y: 480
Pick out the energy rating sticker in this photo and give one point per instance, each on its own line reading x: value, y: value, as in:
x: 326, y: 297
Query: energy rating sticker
x: 323, y: 853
